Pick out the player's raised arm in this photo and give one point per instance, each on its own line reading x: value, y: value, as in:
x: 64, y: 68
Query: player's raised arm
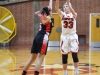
x: 50, y: 4
x: 71, y: 9
x: 57, y: 7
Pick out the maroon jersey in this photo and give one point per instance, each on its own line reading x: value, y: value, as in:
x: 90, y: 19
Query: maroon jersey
x: 46, y: 28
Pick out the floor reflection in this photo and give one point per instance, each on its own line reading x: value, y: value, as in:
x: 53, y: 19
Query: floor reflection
x: 7, y: 61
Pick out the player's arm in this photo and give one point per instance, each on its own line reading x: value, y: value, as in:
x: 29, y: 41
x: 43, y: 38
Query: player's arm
x: 46, y: 19
x: 43, y: 18
x: 57, y: 7
x: 71, y: 9
x: 50, y: 4
x: 39, y: 14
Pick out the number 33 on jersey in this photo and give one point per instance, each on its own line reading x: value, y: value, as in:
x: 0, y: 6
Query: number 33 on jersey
x: 68, y: 24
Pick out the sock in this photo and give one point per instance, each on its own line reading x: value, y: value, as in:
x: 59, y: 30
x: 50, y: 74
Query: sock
x: 65, y: 72
x: 36, y: 73
x: 24, y: 73
x: 76, y: 71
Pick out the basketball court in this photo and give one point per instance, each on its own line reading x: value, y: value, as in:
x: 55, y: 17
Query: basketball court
x: 13, y: 59
x: 17, y: 30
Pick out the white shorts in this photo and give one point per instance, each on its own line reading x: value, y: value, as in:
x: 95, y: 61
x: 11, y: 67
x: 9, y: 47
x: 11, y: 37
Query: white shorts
x: 69, y: 43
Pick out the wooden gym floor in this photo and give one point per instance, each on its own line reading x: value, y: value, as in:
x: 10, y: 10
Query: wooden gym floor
x: 13, y: 59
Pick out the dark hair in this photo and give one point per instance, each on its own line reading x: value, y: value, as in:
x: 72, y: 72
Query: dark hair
x: 46, y: 10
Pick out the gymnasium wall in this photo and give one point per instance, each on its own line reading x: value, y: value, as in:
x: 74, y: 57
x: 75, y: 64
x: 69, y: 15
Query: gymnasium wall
x: 23, y: 13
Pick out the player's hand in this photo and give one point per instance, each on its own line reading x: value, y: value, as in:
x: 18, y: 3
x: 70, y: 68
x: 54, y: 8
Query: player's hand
x: 37, y: 12
x: 68, y: 1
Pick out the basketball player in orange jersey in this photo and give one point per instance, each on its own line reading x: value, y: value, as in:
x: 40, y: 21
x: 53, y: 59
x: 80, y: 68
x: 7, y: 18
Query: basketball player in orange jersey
x: 40, y: 43
x: 69, y: 38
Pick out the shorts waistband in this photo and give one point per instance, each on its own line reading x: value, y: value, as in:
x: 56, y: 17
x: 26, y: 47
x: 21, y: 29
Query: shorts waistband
x: 68, y: 34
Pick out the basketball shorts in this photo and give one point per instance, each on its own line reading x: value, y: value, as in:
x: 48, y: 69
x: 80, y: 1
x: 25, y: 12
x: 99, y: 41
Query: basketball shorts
x: 40, y: 43
x: 69, y: 43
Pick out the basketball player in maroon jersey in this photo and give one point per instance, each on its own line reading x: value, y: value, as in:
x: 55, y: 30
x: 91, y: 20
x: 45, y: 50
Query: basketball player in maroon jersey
x: 40, y: 43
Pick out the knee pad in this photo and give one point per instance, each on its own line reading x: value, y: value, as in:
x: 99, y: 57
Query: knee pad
x: 64, y: 59
x: 75, y: 57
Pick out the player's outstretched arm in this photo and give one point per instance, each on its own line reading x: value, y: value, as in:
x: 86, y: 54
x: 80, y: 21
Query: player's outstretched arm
x: 71, y: 9
x: 50, y: 4
x: 57, y: 7
x: 46, y: 19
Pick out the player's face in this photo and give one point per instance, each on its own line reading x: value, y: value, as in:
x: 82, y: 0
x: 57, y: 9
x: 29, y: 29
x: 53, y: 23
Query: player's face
x: 50, y: 13
x: 66, y: 8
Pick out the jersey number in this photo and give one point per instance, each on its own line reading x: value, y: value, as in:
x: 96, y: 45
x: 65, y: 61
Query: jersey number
x: 68, y: 24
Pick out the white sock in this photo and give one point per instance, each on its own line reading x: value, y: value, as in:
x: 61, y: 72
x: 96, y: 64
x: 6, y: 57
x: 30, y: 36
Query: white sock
x: 76, y: 71
x: 65, y: 72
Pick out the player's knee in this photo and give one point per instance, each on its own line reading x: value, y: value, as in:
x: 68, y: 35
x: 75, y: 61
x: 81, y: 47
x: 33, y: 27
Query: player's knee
x: 75, y: 57
x: 64, y: 59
